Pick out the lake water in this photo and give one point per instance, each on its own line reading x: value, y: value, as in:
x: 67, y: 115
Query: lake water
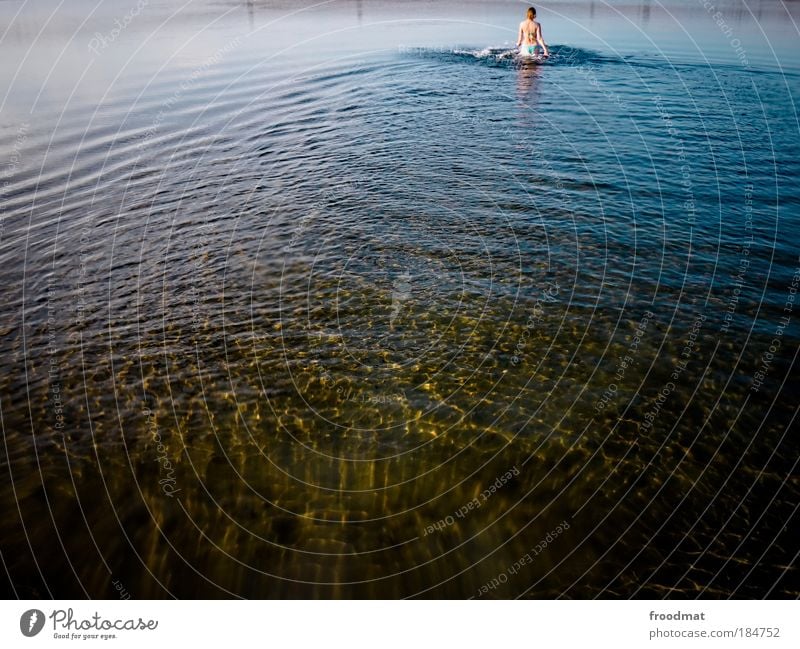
x: 342, y: 300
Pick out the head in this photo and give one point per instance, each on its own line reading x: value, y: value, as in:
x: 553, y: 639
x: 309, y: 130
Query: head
x: 531, y: 13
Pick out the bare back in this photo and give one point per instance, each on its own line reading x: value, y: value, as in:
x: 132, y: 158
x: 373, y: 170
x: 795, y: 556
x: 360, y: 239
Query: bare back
x: 530, y: 31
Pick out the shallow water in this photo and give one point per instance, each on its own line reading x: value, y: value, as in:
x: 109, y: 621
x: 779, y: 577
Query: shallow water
x: 375, y: 314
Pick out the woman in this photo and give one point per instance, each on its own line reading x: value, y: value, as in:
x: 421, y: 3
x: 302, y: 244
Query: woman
x: 530, y: 36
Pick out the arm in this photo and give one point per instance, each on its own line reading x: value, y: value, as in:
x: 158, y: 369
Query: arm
x: 540, y: 40
x: 521, y: 36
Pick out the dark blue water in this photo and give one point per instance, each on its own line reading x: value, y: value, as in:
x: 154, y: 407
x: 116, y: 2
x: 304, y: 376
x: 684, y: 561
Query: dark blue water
x: 387, y: 312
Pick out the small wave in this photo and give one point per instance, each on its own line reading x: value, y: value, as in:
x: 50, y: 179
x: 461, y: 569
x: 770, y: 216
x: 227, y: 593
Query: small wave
x: 487, y: 52
x: 504, y: 55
